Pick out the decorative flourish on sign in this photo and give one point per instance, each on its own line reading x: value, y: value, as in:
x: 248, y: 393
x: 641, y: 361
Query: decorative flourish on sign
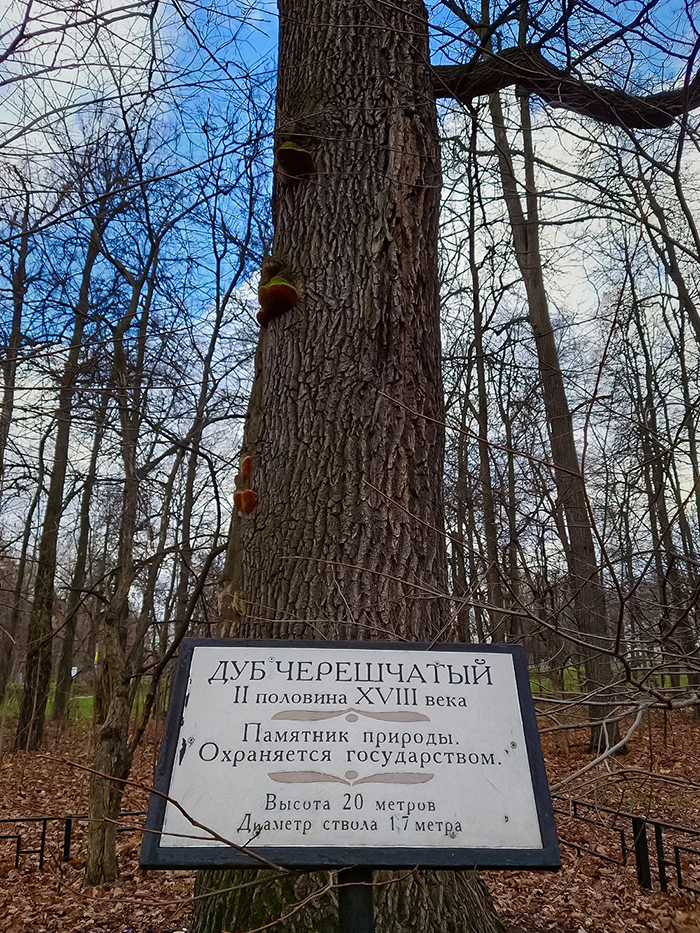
x: 305, y: 777
x: 320, y: 777
x: 351, y: 715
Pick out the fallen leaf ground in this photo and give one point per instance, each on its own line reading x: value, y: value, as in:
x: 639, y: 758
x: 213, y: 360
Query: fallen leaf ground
x: 659, y: 778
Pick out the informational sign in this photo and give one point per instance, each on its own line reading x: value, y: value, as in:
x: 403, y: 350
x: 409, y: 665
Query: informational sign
x: 308, y: 754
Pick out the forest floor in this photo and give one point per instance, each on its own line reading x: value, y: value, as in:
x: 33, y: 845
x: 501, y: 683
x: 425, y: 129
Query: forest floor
x: 659, y: 778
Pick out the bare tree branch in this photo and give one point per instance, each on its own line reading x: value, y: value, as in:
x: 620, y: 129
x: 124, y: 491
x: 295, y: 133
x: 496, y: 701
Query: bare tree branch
x: 526, y: 67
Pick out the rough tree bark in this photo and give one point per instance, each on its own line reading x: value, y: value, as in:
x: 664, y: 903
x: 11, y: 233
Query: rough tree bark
x: 347, y: 540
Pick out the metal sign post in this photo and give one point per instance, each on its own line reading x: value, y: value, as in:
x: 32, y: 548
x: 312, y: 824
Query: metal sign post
x: 355, y: 900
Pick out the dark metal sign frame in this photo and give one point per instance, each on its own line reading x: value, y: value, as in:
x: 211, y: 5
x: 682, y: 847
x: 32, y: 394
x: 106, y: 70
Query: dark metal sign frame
x: 155, y: 855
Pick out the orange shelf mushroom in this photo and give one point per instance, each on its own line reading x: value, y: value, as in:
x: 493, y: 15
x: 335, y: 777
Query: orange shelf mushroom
x: 245, y: 500
x: 249, y: 499
x: 275, y: 297
x: 295, y: 163
x: 246, y: 467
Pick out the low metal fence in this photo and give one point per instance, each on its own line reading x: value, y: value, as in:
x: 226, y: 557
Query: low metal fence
x: 671, y: 857
x: 664, y: 853
x: 26, y: 842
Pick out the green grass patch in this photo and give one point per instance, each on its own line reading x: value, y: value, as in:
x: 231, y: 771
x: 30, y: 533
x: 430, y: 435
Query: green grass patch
x: 10, y: 705
x: 81, y: 705
x: 81, y: 702
x: 542, y: 681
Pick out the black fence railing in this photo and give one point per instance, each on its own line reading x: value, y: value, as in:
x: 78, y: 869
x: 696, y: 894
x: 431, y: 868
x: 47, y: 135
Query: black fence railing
x: 672, y: 845
x: 26, y: 841
x: 663, y: 852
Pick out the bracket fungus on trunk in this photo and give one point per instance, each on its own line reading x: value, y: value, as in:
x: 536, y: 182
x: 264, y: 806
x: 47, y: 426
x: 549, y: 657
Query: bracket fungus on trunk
x: 275, y: 297
x: 294, y: 163
x: 249, y: 499
x: 244, y: 498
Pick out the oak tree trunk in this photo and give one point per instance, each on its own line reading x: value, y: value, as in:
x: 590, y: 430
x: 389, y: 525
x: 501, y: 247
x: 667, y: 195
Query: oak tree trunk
x: 347, y: 540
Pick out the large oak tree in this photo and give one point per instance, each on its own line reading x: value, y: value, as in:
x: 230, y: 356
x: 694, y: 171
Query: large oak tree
x: 344, y: 427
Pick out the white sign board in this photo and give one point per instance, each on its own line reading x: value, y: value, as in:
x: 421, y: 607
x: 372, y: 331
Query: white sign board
x: 311, y: 754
